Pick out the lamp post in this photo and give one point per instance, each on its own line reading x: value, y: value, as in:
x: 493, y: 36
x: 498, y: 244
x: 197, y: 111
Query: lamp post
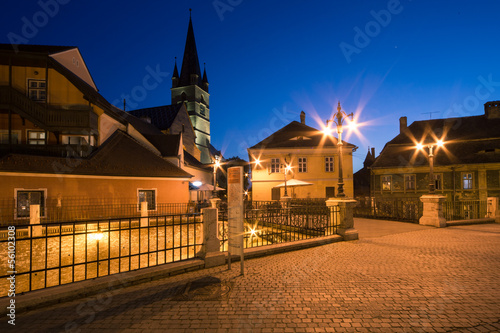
x: 216, y: 166
x: 439, y: 143
x: 285, y: 171
x: 339, y: 118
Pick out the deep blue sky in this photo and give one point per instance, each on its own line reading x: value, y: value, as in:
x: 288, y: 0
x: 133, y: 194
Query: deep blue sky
x: 268, y: 60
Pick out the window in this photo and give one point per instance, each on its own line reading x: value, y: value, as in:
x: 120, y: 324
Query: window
x: 275, y: 165
x: 4, y: 137
x: 36, y: 137
x: 148, y: 196
x: 329, y: 164
x: 386, y: 183
x: 410, y: 182
x: 25, y: 198
x: 438, y: 181
x: 467, y: 181
x: 37, y: 90
x: 330, y: 191
x: 275, y: 193
x: 302, y: 164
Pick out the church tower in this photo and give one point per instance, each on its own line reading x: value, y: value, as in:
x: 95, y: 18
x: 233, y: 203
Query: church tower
x: 191, y: 87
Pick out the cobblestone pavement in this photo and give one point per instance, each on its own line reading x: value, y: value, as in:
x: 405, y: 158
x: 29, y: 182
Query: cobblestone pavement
x: 407, y: 279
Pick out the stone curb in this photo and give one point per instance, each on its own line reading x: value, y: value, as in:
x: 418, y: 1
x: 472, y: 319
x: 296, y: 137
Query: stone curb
x: 469, y: 222
x: 73, y: 291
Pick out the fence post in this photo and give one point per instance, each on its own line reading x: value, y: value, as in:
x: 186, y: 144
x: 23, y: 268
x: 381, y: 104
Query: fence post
x: 433, y: 211
x: 144, y: 214
x: 345, y: 222
x: 493, y: 210
x: 35, y: 219
x: 211, y: 244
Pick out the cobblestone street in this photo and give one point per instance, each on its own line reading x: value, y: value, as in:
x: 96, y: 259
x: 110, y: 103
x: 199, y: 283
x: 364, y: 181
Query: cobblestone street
x: 397, y: 277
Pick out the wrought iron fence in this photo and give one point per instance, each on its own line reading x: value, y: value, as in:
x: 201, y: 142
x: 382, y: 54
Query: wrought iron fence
x: 274, y: 222
x: 401, y: 209
x: 464, y: 210
x: 49, y: 255
x: 56, y: 210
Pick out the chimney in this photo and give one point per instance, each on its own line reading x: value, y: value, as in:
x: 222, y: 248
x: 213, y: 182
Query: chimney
x: 302, y: 117
x: 492, y: 109
x: 373, y: 152
x: 403, y: 123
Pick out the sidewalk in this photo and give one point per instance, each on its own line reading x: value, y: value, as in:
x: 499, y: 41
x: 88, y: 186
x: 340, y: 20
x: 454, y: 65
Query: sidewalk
x: 397, y: 277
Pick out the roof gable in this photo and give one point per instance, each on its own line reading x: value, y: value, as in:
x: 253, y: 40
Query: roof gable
x: 296, y: 135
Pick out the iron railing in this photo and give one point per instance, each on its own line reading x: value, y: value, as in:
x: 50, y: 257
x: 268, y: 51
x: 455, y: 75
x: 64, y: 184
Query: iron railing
x: 81, y: 119
x: 464, y: 210
x: 274, y: 222
x: 49, y: 255
x: 400, y: 209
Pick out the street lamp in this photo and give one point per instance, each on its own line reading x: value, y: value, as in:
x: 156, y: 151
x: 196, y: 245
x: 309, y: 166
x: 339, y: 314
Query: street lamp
x: 216, y: 166
x: 286, y: 169
x: 338, y: 118
x: 420, y: 146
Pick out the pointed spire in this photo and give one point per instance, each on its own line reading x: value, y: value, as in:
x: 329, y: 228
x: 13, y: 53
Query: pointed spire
x: 205, y: 78
x: 190, y: 70
x: 176, y: 72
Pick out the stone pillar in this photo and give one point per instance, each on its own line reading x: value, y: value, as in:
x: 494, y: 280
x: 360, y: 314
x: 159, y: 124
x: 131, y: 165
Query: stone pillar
x: 433, y: 211
x: 35, y: 219
x: 285, y: 202
x: 344, y: 218
x: 493, y: 211
x: 211, y: 244
x: 144, y: 214
x: 215, y: 202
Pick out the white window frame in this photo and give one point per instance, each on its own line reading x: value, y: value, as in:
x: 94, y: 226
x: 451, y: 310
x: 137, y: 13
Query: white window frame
x: 43, y: 208
x: 383, y: 179
x: 38, y: 140
x: 302, y: 164
x: 139, y: 198
x: 408, y: 181
x: 329, y: 164
x: 40, y: 92
x: 275, y: 165
x: 470, y: 180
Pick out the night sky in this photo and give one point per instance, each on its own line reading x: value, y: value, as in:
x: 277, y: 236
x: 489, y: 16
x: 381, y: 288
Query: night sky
x: 268, y: 60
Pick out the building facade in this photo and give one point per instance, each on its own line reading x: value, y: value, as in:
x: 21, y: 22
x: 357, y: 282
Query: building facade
x: 62, y: 144
x: 465, y: 167
x: 312, y: 158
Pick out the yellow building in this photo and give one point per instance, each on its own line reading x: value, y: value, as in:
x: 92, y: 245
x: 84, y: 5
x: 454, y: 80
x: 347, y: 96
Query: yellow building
x: 62, y: 144
x: 310, y: 156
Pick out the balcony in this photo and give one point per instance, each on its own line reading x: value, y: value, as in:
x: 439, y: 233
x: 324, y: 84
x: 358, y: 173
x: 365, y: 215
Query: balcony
x: 48, y: 150
x: 80, y: 120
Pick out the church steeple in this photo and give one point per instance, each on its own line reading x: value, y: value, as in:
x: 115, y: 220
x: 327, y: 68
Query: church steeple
x: 205, y: 78
x: 175, y: 76
x: 191, y: 88
x: 190, y: 70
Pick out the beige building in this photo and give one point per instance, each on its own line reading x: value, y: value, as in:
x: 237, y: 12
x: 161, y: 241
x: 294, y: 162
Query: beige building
x: 312, y: 158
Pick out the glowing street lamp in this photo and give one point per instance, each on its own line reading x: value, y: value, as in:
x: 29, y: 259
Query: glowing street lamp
x: 286, y: 169
x: 338, y: 118
x: 216, y: 166
x: 420, y: 146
